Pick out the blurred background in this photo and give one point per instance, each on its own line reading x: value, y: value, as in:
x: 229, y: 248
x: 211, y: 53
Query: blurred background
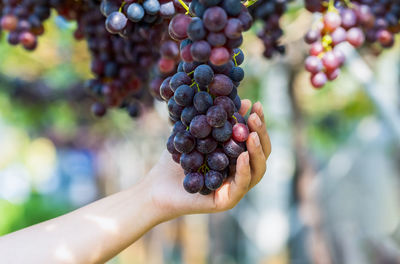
x: 330, y: 194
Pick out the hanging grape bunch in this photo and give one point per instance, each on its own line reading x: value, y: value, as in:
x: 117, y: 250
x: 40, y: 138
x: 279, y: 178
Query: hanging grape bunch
x: 209, y: 133
x: 374, y: 22
x: 270, y: 12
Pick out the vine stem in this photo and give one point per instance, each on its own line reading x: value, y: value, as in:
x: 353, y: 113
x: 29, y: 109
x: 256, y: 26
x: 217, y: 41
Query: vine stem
x: 184, y: 6
x: 250, y: 3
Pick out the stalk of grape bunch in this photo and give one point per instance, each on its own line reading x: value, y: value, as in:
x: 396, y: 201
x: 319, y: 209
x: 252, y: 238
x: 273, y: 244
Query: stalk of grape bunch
x: 209, y: 133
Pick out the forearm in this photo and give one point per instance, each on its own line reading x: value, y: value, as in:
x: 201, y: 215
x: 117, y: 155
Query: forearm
x: 92, y: 234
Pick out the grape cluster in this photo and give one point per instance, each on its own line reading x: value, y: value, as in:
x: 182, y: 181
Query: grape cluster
x: 270, y: 12
x: 357, y: 22
x: 122, y: 13
x: 208, y: 134
x: 24, y: 21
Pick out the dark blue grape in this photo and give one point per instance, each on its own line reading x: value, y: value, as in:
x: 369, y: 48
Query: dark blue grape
x: 199, y: 127
x: 184, y: 142
x: 203, y: 75
x: 192, y: 161
x: 206, y: 145
x: 213, y: 180
x: 202, y: 101
x: 222, y: 134
x: 193, y: 182
x: 216, y: 116
x: 196, y: 30
x: 184, y: 95
x: 217, y: 161
x: 135, y: 12
x: 188, y: 114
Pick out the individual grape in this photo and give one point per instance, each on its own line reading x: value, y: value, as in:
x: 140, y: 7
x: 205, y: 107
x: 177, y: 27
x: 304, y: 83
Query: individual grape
x: 237, y: 102
x: 184, y: 95
x: 206, y: 145
x: 236, y: 74
x: 222, y: 134
x: 312, y: 36
x: 239, y: 56
x: 196, y: 30
x: 232, y: 7
x: 338, y: 36
x: 179, y: 78
x: 205, y: 190
x: 234, y: 43
x: 215, y: 18
x: 167, y: 10
x: 221, y: 85
x: 217, y: 161
x: 192, y: 161
x: 135, y: 12
x: 200, y: 51
x: 199, y: 127
x: 219, y: 56
x: 233, y: 28
x: 193, y: 182
x: 330, y: 61
x: 116, y: 22
x: 216, y: 116
x: 170, y: 145
x: 216, y: 39
x: 349, y: 18
x: 226, y: 103
x: 313, y: 64
x: 99, y: 109
x: 233, y: 148
x: 355, y: 37
x: 332, y: 21
x: 203, y: 75
x: 202, y: 101
x: 174, y: 109
x: 240, y: 132
x: 318, y: 80
x: 333, y: 75
x: 188, y: 114
x: 178, y: 127
x: 165, y: 90
x: 178, y: 26
x: 184, y: 142
x: 151, y: 6
x: 213, y: 180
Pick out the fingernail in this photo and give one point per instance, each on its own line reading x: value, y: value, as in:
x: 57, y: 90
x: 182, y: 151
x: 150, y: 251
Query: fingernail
x: 246, y: 157
x: 257, y: 120
x: 256, y: 139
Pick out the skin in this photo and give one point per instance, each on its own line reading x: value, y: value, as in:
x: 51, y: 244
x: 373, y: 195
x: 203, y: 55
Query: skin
x: 99, y: 231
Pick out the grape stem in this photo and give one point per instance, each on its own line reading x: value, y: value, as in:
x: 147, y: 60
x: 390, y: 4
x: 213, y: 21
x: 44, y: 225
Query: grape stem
x: 122, y: 6
x: 184, y: 6
x: 250, y: 3
x: 234, y: 58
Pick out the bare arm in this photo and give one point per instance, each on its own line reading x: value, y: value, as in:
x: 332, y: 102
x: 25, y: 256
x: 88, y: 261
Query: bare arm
x: 99, y: 231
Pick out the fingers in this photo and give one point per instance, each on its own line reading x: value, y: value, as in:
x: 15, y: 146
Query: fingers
x: 246, y: 104
x: 256, y: 123
x: 241, y: 182
x: 257, y: 158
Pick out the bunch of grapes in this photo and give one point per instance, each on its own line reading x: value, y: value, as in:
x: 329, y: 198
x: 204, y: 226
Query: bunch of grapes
x: 270, y: 12
x: 23, y: 19
x: 354, y: 22
x: 122, y: 13
x: 208, y: 134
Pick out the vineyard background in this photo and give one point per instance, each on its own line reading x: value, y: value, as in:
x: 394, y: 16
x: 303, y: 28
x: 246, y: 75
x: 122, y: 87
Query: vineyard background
x: 330, y: 195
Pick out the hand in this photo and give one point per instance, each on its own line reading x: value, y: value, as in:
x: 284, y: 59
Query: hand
x: 165, y: 179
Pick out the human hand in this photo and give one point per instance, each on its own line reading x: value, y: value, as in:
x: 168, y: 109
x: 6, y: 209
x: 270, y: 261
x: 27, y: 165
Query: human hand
x: 165, y: 179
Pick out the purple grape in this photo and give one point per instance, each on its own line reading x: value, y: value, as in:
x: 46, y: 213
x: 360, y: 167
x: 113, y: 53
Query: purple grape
x: 193, y: 182
x: 199, y: 127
